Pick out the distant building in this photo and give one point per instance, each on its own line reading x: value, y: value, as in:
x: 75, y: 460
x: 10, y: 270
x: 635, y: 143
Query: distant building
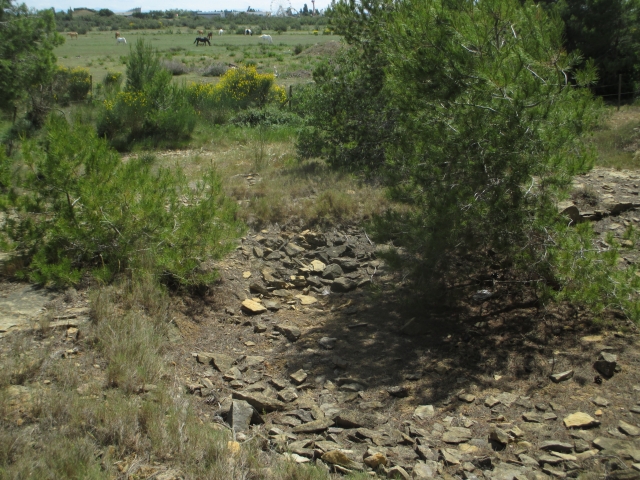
x: 216, y: 14
x: 130, y: 13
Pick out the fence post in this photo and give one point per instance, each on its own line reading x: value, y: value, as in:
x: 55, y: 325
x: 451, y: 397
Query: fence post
x: 290, y: 95
x: 619, y: 90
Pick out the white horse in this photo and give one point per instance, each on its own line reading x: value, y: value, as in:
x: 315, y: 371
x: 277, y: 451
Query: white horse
x: 266, y: 38
x: 121, y: 40
x: 247, y: 31
x: 220, y: 32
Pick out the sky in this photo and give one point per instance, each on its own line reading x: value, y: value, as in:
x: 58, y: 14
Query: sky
x: 146, y: 5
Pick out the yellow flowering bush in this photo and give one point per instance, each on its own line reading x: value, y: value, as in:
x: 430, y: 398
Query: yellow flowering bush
x: 71, y: 84
x: 238, y: 88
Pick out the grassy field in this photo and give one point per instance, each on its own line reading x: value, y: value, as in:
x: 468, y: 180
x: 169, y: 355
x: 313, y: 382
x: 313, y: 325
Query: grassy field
x: 99, y: 52
x: 617, y: 140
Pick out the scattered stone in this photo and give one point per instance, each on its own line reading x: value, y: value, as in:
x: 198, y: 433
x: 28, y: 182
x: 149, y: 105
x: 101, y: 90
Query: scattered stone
x: 398, y: 472
x: 317, y: 266
x: 299, y: 377
x: 272, y: 305
x: 292, y: 249
x: 327, y: 342
x: 423, y: 412
x: 456, y: 435
x: 353, y: 419
x: 491, y: 402
x: 290, y: 331
x: 260, y: 402
x: 316, y: 426
x: 450, y: 456
x: 498, y: 435
x: 375, y: 460
x: 331, y: 272
x: 556, y: 446
x: 552, y: 471
x: 398, y: 391
x: 343, y: 284
x: 580, y: 420
x: 532, y: 417
x: 246, y: 274
x: 600, y: 401
x: 306, y: 299
x: 253, y: 308
x: 561, y: 377
x: 241, y: 416
x: 467, y: 397
x: 259, y: 327
x: 606, y: 364
x: 336, y: 457
x: 288, y: 395
x: 628, y: 429
x: 425, y: 470
x: 527, y: 460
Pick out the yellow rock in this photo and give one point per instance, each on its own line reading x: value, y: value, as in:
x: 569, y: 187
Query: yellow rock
x: 252, y: 306
x: 376, y: 460
x: 598, y: 413
x: 246, y: 274
x: 579, y: 419
x: 306, y: 299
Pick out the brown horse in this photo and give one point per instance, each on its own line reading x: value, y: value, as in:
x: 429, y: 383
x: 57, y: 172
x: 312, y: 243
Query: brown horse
x: 210, y: 35
x: 200, y: 32
x: 73, y: 34
x: 117, y: 35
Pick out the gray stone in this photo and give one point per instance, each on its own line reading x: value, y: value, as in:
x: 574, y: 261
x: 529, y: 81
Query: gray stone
x: 222, y: 362
x: 498, y: 435
x: 628, y: 429
x: 343, y: 284
x: 353, y: 419
x: 561, y: 377
x: 260, y: 402
x: 327, y: 342
x: 298, y: 377
x: 347, y: 264
x: 556, y: 446
x: 467, y: 397
x: 398, y: 472
x: 456, y: 435
x: 606, y: 364
x: 398, y: 391
x: 316, y: 426
x: 259, y: 327
x: 450, y: 456
x: 331, y: 272
x: 292, y: 249
x: 288, y: 395
x: 423, y: 412
x: 580, y: 420
x: 290, y: 331
x: 600, y: 401
x: 272, y: 305
x: 491, y: 402
x: 241, y: 416
x: 233, y: 373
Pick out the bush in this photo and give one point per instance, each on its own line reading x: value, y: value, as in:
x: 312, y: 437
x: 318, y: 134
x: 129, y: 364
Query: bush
x: 81, y: 210
x: 175, y: 67
x: 298, y: 49
x: 71, y: 85
x: 267, y: 116
x: 112, y: 81
x: 239, y: 88
x: 215, y: 70
x: 150, y: 107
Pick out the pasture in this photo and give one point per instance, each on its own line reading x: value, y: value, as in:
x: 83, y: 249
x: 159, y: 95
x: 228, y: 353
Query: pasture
x: 99, y: 52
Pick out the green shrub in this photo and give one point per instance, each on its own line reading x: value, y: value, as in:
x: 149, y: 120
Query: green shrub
x: 71, y: 85
x: 267, y: 116
x: 215, y: 70
x: 112, y: 82
x: 150, y: 107
x: 298, y: 49
x: 81, y: 210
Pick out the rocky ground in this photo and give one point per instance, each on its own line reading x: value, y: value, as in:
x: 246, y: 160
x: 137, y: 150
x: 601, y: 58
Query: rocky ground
x: 312, y: 345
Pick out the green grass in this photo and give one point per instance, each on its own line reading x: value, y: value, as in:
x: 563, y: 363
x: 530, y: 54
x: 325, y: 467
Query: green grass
x: 99, y: 52
x: 617, y: 141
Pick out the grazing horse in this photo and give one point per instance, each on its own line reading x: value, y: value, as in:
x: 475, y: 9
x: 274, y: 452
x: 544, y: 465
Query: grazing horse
x: 200, y: 32
x: 203, y: 40
x: 220, y: 32
x: 73, y: 34
x: 266, y: 38
x: 210, y: 35
x: 247, y: 31
x: 117, y: 35
x: 121, y: 40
